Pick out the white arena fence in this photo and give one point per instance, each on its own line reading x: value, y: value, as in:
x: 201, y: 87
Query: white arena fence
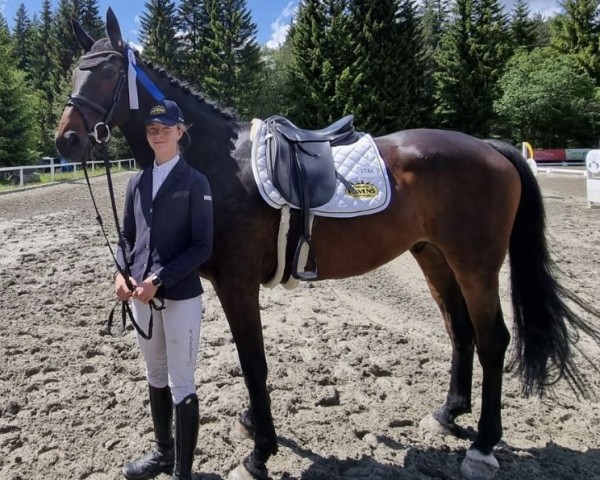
x: 26, y: 171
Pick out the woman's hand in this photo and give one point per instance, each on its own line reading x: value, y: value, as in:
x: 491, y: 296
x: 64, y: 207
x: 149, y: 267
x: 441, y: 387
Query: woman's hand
x: 145, y: 291
x: 123, y: 293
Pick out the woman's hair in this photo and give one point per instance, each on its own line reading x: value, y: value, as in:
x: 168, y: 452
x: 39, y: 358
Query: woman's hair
x: 183, y: 145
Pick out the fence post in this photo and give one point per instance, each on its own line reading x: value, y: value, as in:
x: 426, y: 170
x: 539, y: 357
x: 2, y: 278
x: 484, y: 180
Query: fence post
x: 52, y: 171
x: 21, y: 182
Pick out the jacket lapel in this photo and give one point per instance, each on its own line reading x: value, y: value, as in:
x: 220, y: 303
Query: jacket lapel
x: 145, y: 188
x: 172, y: 178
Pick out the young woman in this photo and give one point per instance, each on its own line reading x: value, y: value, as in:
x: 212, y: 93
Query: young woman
x: 168, y: 234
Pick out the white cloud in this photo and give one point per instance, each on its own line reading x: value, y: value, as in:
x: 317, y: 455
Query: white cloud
x: 281, y: 26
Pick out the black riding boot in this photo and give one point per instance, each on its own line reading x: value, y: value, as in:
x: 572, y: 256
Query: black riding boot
x: 186, y: 436
x: 160, y: 458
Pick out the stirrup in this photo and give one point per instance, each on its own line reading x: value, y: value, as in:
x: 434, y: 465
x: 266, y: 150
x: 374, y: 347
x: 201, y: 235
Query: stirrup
x: 305, y: 275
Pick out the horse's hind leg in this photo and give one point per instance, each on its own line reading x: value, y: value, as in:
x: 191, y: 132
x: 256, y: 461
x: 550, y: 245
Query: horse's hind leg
x: 470, y: 304
x: 449, y: 298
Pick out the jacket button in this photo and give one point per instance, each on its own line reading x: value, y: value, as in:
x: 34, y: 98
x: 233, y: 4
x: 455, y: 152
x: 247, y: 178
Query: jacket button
x: 150, y: 210
x: 147, y: 247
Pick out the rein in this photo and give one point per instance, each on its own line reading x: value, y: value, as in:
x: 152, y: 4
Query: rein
x: 101, y: 135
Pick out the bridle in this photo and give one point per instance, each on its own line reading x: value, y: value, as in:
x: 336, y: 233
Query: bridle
x: 100, y: 135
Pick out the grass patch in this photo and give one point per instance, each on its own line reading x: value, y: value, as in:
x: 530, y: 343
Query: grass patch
x: 46, y: 178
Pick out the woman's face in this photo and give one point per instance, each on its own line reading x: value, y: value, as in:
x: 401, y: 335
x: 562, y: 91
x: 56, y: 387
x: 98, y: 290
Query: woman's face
x: 163, y: 139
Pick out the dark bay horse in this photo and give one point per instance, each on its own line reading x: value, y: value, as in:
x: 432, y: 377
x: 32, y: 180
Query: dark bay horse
x: 459, y: 205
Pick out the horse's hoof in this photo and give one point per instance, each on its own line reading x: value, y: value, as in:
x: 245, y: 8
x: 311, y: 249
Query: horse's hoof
x: 432, y: 425
x: 477, y: 466
x: 240, y: 473
x: 240, y: 432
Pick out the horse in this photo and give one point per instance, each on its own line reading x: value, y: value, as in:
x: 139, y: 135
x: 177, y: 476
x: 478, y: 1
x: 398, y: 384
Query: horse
x: 459, y: 205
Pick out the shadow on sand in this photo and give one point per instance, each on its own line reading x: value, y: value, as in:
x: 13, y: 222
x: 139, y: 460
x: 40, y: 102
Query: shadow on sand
x: 551, y: 462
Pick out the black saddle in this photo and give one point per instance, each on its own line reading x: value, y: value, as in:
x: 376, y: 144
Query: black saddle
x: 301, y: 167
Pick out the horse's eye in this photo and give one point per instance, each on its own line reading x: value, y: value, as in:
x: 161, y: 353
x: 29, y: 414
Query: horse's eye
x: 109, y: 72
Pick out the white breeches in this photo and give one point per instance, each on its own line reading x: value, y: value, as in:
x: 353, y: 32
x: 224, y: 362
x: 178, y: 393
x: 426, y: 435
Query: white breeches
x: 170, y: 355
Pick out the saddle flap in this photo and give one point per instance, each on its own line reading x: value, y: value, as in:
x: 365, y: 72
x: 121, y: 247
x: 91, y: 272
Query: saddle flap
x: 304, y: 174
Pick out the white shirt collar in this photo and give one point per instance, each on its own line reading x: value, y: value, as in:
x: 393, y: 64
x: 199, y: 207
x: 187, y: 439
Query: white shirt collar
x: 165, y: 168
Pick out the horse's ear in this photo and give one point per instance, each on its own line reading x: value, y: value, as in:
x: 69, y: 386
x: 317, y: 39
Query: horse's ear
x: 113, y: 30
x: 82, y: 36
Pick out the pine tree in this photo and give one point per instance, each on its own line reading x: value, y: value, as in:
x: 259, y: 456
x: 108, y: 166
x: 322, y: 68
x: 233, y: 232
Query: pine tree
x: 233, y: 56
x: 434, y: 19
x: 22, y: 40
x: 318, y: 49
x: 18, y: 132
x: 523, y: 29
x: 68, y: 49
x: 90, y: 18
x: 382, y: 84
x: 86, y: 12
x: 492, y: 50
x: 193, y: 23
x: 473, y: 52
x: 576, y: 32
x: 158, y: 34
x: 46, y: 77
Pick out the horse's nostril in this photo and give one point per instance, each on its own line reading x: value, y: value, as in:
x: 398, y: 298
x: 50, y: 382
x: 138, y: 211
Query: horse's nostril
x: 72, y: 139
x: 69, y: 144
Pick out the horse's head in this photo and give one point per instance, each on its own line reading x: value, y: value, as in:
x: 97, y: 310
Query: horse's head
x: 99, y: 97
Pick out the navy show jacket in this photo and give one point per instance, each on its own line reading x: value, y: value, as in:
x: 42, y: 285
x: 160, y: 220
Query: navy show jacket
x: 170, y: 236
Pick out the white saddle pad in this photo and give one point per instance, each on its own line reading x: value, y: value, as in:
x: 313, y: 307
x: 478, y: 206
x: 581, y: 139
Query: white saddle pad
x: 359, y: 163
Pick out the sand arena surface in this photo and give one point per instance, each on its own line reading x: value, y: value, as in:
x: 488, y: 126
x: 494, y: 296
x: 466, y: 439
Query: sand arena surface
x: 354, y: 367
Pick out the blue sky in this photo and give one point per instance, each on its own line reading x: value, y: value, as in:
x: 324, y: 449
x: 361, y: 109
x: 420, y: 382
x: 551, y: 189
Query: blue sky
x: 272, y: 17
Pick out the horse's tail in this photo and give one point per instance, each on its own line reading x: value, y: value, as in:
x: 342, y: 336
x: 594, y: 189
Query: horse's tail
x: 546, y: 327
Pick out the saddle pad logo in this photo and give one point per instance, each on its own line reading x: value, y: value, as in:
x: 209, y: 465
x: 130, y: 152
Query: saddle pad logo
x: 363, y: 190
x: 158, y: 110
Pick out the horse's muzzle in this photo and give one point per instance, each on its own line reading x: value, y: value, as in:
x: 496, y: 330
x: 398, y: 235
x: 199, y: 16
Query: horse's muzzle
x: 72, y: 145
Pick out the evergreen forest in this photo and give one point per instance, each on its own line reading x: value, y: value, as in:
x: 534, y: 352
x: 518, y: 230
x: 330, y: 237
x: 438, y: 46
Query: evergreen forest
x: 467, y: 65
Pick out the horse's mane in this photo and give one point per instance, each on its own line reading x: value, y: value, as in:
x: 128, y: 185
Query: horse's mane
x: 104, y: 44
x: 228, y: 113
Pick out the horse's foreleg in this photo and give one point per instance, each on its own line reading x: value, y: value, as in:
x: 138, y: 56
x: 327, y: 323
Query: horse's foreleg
x: 449, y: 298
x: 243, y: 314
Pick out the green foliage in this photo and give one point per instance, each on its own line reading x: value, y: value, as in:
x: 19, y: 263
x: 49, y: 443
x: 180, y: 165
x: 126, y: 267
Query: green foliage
x: 319, y: 56
x: 547, y: 101
x: 18, y: 130
x: 23, y: 38
x: 575, y: 32
x: 193, y: 24
x: 67, y: 49
x: 391, y: 63
x: 232, y: 55
x: 471, y: 58
x: 45, y: 77
x: 158, y: 34
x: 383, y: 80
x: 275, y: 92
x: 523, y: 28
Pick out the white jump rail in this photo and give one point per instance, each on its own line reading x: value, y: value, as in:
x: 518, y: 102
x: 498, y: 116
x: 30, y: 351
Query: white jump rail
x: 569, y: 171
x: 58, y: 167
